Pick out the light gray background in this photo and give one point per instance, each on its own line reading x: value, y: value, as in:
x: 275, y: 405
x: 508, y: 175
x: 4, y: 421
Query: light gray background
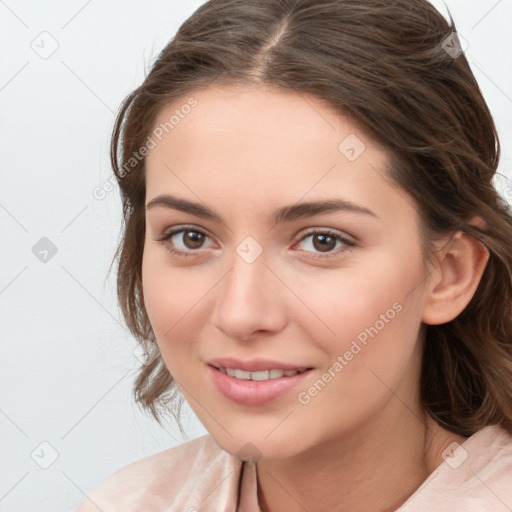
x: 67, y: 361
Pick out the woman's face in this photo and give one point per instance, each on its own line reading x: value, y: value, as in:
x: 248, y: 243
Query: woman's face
x: 290, y: 316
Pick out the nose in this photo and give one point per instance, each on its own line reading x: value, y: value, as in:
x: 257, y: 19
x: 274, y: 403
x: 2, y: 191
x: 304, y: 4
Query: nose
x: 250, y: 301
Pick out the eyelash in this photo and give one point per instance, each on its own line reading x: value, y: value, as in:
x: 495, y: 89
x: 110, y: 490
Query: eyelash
x: 180, y: 229
x: 347, y: 244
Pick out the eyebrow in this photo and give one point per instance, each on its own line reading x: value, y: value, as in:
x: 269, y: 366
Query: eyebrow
x: 281, y: 215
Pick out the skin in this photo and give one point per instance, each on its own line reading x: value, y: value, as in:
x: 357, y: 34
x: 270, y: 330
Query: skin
x: 363, y: 443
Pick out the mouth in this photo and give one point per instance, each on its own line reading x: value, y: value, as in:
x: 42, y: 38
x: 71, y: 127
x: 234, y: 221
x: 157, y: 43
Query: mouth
x: 255, y: 383
x: 259, y: 375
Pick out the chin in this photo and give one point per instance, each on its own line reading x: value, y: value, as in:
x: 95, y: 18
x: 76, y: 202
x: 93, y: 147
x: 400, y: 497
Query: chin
x: 250, y: 448
x: 258, y: 441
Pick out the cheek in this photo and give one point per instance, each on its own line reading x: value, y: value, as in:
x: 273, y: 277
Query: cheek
x: 165, y: 296
x: 174, y: 299
x: 371, y: 313
x: 365, y: 363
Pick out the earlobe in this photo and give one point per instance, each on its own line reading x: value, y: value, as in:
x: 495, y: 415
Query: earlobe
x: 455, y: 280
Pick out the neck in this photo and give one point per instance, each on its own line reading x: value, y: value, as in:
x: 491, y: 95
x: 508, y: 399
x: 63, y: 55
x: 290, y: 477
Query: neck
x: 374, y: 468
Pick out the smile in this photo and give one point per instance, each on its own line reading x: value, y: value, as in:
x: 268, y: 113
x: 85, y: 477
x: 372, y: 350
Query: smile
x: 258, y: 375
x: 257, y: 382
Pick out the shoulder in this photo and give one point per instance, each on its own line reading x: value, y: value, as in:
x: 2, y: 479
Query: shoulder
x: 475, y: 476
x: 488, y: 453
x: 179, y: 478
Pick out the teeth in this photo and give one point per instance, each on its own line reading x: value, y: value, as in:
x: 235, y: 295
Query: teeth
x: 242, y: 374
x: 276, y: 374
x: 259, y: 375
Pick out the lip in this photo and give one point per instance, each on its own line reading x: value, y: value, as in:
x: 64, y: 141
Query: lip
x: 253, y: 392
x: 254, y: 365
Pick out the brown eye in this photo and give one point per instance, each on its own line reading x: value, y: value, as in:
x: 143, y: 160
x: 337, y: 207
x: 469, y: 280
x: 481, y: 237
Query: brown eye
x: 193, y: 239
x: 184, y: 241
x: 324, y: 243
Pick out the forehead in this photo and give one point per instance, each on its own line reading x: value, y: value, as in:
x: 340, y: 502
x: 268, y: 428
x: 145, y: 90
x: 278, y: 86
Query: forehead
x: 257, y: 116
x: 264, y: 144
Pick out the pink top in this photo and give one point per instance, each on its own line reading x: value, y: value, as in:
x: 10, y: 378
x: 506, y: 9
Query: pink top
x: 199, y: 476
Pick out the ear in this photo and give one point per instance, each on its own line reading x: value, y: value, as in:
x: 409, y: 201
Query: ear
x: 454, y: 280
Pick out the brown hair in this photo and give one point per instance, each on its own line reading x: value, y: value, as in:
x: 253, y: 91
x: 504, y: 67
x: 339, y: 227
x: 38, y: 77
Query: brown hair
x: 387, y: 64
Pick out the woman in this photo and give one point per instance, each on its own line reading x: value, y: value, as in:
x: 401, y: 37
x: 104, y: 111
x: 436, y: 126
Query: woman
x: 316, y: 254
